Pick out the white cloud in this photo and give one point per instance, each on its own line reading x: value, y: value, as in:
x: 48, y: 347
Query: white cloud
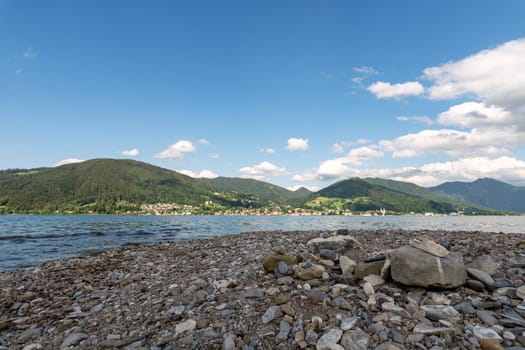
x: 365, y: 153
x: 268, y: 150
x: 496, y: 76
x: 365, y: 70
x: 309, y: 188
x: 68, y: 161
x: 206, y: 174
x: 203, y: 142
x: 214, y: 156
x: 177, y: 150
x: 507, y: 169
x: 475, y: 114
x: 130, y: 153
x: 455, y: 143
x: 337, y: 148
x: 263, y: 171
x: 297, y: 144
x: 416, y: 119
x: 386, y: 90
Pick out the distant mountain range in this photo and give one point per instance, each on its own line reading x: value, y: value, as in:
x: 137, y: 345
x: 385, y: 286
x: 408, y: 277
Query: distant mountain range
x: 486, y: 192
x: 128, y: 186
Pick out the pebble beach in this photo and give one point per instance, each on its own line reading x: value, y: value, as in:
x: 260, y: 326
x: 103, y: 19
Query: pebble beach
x: 339, y: 289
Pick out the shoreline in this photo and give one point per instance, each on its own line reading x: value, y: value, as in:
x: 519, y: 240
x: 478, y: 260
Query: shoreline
x: 213, y: 292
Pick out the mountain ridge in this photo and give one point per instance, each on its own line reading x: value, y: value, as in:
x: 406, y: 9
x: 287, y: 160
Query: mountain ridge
x: 124, y: 186
x: 486, y: 192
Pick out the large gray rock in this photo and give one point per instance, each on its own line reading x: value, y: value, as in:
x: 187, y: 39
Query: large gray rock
x: 355, y: 340
x: 337, y: 243
x: 414, y: 267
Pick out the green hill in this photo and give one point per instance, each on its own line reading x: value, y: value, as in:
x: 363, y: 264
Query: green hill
x: 257, y: 188
x: 414, y: 190
x: 99, y: 185
x: 486, y: 192
x: 374, y: 194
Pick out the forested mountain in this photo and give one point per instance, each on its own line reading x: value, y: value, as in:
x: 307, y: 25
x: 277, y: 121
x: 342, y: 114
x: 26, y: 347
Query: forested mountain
x: 256, y: 188
x: 486, y: 192
x: 101, y: 185
x: 126, y: 186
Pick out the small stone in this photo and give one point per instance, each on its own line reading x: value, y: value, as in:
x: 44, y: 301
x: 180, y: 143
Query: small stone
x: 476, y: 285
x: 346, y: 264
x: 490, y: 344
x: 483, y: 277
x: 368, y: 289
x: 520, y: 292
x: 328, y: 254
x: 282, y: 266
x: 414, y: 338
x: 184, y: 327
x: 485, y: 333
x: 430, y: 247
x: 485, y: 263
x: 34, y: 346
x: 374, y: 280
x: 73, y: 339
x: 330, y: 340
x: 271, y: 262
x: 355, y: 340
x: 272, y: 313
x: 430, y: 330
x: 341, y: 303
x: 334, y: 243
x: 364, y: 268
x: 348, y: 323
x: 308, y: 271
x: 509, y: 335
x: 441, y: 312
x: 311, y: 337
x: 288, y: 309
x: 284, y: 331
x: 177, y: 310
x: 229, y: 342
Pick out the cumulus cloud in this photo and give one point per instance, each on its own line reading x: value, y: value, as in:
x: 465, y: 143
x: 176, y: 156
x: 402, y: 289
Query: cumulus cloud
x: 455, y: 143
x: 203, y: 142
x: 262, y: 171
x: 268, y: 150
x: 177, y: 150
x: 206, y: 174
x: 130, y: 153
x: 476, y: 115
x: 386, y: 90
x: 68, y: 161
x: 297, y: 144
x: 504, y: 168
x: 365, y: 153
x: 496, y: 76
x: 416, y: 119
x: 214, y: 156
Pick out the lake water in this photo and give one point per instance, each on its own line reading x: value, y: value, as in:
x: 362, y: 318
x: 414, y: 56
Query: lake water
x: 26, y: 240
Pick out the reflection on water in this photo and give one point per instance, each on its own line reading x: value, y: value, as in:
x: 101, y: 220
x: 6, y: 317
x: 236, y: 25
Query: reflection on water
x: 27, y: 240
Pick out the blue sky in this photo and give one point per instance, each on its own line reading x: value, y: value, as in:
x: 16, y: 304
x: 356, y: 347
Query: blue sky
x: 296, y: 93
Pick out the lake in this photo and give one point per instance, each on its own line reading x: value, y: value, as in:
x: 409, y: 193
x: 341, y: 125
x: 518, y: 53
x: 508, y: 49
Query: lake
x: 27, y: 240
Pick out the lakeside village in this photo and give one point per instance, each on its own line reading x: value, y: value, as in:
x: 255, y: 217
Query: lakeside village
x: 210, y: 209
